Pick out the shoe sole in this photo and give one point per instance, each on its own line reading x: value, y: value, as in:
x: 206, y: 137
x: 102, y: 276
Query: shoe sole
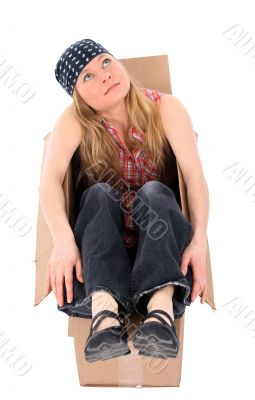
x: 155, y: 341
x: 93, y: 356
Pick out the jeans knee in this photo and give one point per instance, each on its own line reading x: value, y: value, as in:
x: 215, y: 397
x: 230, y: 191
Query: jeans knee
x: 101, y: 191
x: 153, y: 188
x: 100, y: 187
x: 150, y: 187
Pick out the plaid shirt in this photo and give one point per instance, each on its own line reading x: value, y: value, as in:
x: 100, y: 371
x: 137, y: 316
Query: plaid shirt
x: 137, y: 170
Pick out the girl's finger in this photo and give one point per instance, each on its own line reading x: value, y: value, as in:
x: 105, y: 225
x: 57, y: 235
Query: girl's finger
x: 203, y: 295
x: 47, y: 285
x: 53, y: 285
x: 60, y: 290
x: 69, y: 286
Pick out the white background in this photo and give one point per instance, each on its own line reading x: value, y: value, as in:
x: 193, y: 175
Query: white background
x: 214, y: 78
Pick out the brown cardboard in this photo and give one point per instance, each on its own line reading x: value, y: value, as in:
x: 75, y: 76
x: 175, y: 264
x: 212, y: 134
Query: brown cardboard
x: 132, y: 369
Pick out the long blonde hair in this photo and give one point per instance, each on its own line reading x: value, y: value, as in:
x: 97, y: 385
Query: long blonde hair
x: 98, y: 152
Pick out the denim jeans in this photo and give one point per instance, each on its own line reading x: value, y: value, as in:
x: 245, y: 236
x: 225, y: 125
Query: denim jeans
x: 130, y: 275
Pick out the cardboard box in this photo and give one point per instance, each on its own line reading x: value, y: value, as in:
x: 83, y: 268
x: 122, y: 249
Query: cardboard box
x: 130, y: 370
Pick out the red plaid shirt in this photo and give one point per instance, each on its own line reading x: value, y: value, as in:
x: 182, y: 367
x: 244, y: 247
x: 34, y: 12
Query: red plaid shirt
x: 137, y: 170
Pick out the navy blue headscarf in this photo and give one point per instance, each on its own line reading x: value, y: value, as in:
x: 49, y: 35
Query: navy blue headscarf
x: 74, y: 59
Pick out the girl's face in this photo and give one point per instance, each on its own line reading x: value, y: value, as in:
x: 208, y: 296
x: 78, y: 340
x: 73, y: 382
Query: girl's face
x: 98, y: 75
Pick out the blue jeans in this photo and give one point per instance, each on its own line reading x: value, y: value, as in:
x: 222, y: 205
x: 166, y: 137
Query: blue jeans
x: 130, y: 275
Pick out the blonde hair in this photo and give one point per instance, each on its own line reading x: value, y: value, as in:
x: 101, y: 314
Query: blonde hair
x: 98, y: 151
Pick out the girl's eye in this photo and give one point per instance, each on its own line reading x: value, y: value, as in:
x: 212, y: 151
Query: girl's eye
x: 91, y: 74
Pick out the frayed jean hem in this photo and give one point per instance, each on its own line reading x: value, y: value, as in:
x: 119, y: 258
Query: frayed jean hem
x: 184, y: 302
x: 82, y: 307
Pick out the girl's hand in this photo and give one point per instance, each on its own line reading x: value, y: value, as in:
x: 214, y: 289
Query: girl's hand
x: 195, y: 255
x: 64, y: 257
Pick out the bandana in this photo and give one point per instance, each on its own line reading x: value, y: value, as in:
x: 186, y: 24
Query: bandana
x: 74, y: 59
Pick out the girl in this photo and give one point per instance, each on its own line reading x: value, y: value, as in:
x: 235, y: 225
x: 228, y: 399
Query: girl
x: 131, y: 244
